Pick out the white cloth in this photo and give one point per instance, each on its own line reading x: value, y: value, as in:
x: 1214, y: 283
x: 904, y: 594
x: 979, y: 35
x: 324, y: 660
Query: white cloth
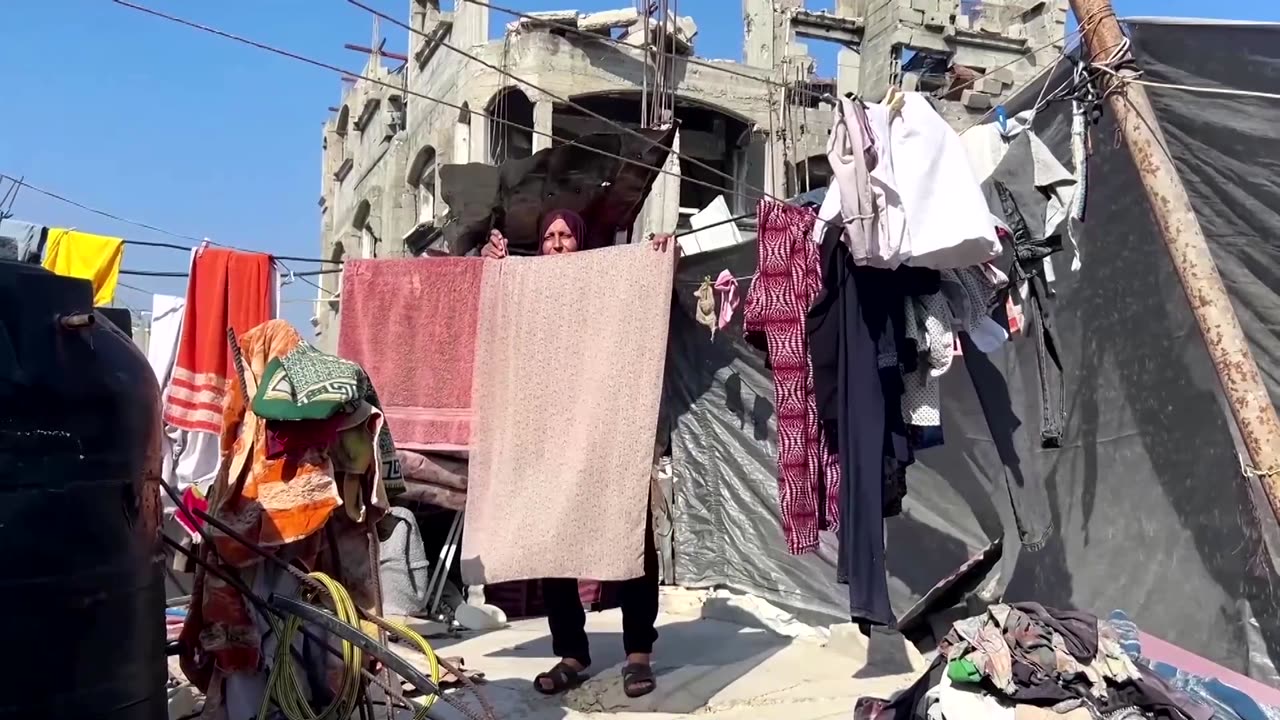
x: 947, y: 216
x: 166, y: 327
x: 828, y: 212
x: 191, y: 458
x: 891, y: 221
x: 945, y: 701
x: 724, y: 234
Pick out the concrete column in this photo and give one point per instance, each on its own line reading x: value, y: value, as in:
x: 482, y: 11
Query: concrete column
x: 767, y: 36
x: 470, y: 24
x: 661, y: 211
x: 542, y: 117
x: 480, y: 138
x: 878, y: 57
x: 775, y: 172
x: 848, y: 70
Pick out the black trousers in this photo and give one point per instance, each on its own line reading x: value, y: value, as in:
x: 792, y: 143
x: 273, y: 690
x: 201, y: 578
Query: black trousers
x: 638, y: 598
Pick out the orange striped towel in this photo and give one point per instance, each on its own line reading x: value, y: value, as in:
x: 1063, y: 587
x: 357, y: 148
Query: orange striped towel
x: 227, y: 289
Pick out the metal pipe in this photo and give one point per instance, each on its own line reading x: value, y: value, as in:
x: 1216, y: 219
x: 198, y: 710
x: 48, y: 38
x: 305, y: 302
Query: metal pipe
x: 1251, y: 407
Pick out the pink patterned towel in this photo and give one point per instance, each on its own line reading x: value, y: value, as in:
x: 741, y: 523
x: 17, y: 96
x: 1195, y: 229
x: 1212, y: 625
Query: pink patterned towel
x: 423, y: 377
x: 566, y: 408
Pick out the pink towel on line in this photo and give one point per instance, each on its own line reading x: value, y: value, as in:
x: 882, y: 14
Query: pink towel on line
x: 566, y: 404
x: 412, y: 325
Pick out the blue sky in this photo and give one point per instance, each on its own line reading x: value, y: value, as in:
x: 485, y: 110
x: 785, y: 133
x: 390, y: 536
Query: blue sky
x: 196, y: 134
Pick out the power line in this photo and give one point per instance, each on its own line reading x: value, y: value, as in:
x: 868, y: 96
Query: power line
x: 177, y: 274
x: 577, y: 106
x: 407, y: 91
x: 147, y: 243
x: 1015, y: 61
x: 103, y: 213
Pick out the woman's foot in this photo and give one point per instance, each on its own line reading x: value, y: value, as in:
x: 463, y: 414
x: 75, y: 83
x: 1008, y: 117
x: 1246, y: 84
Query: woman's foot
x: 566, y: 675
x: 637, y: 676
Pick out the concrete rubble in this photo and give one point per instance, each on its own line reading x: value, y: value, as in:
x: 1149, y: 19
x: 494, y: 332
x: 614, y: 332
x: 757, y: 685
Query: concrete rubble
x: 681, y: 30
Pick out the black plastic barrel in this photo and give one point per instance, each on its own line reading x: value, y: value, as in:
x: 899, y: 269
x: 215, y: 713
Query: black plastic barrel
x: 81, y: 580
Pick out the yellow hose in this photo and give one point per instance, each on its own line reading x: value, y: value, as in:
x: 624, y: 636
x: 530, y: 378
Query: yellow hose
x: 283, y: 685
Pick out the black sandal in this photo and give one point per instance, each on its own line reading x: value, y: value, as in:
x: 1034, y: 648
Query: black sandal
x: 562, y: 678
x: 638, y: 680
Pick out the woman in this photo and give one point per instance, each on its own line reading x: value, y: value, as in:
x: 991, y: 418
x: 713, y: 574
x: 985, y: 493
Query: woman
x: 563, y: 232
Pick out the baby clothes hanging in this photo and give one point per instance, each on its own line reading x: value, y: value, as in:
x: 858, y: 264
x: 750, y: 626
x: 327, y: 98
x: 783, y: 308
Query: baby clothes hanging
x: 706, y: 308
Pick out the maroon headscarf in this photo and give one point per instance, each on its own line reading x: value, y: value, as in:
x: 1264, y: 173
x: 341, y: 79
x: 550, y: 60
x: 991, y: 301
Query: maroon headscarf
x: 576, y: 224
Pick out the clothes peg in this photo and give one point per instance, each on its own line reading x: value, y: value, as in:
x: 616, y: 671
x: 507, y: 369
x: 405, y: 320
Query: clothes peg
x: 203, y: 244
x: 1002, y: 119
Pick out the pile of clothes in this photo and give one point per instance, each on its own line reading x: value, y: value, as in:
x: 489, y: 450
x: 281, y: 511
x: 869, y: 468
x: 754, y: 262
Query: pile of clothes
x: 1023, y: 661
x: 306, y: 471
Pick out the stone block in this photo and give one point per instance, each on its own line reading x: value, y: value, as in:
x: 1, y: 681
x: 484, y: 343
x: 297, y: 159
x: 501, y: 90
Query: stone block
x: 937, y: 20
x: 924, y: 5
x: 1004, y: 75
x: 607, y: 19
x: 989, y: 85
x: 975, y: 100
x: 913, y: 17
x: 963, y: 22
x: 687, y: 27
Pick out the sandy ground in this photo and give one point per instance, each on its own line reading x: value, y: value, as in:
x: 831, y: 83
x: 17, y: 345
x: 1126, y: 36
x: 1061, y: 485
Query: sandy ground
x: 705, y: 666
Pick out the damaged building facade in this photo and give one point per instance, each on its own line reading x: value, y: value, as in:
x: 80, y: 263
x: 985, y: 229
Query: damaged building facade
x: 384, y: 145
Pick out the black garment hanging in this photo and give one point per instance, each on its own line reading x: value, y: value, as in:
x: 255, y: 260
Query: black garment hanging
x: 846, y: 353
x: 1028, y: 266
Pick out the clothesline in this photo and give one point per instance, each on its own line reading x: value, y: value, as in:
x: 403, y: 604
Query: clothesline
x: 176, y: 274
x: 21, y: 182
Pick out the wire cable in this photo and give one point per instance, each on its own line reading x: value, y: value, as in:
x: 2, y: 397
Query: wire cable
x: 1015, y: 61
x: 21, y: 182
x: 1123, y: 79
x: 400, y: 88
x: 622, y: 45
x: 283, y: 686
x: 103, y: 213
x: 559, y: 98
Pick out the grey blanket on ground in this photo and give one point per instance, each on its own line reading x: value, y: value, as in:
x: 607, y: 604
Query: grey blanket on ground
x: 570, y: 354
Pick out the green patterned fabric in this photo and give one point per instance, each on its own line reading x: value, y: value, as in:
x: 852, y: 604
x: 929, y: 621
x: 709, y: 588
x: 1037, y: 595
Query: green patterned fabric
x: 307, y: 384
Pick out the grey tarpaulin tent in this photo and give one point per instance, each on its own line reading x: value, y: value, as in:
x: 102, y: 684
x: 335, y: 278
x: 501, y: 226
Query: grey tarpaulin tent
x: 1149, y: 510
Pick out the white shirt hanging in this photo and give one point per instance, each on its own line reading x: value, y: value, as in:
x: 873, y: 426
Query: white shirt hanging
x: 946, y: 212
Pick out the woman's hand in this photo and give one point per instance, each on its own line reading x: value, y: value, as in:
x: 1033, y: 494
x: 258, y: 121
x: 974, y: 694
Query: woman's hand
x: 496, y: 248
x: 662, y: 241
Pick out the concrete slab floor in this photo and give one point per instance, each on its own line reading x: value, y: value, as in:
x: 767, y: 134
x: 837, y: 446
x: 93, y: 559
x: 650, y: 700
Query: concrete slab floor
x: 704, y: 667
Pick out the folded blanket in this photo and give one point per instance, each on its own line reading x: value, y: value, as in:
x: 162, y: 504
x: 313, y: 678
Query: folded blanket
x: 434, y: 479
x: 570, y: 359
x: 426, y: 373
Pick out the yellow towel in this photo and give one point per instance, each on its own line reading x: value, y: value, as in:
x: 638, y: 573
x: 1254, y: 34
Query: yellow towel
x: 90, y: 257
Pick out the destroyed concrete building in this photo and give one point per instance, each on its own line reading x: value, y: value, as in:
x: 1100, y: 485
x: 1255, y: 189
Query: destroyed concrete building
x: 385, y: 143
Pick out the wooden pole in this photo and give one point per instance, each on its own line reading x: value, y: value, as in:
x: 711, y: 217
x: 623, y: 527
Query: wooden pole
x: 1241, y: 381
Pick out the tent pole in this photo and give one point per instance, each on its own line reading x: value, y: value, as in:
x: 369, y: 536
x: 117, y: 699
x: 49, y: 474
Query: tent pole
x: 1241, y: 381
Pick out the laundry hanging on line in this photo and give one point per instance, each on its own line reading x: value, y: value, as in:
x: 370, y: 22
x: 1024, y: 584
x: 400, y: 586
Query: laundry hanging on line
x: 95, y: 258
